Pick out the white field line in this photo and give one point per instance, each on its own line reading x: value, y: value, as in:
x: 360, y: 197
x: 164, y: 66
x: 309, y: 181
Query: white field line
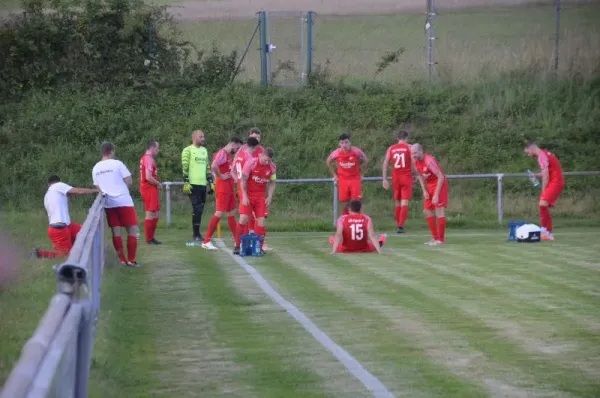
x: 370, y: 382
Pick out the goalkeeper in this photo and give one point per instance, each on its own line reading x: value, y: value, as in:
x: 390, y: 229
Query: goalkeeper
x: 196, y: 178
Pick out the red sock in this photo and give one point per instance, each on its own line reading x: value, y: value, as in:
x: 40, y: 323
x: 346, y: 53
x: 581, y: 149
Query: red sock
x: 47, y: 254
x: 238, y: 234
x: 403, y: 215
x: 212, y: 226
x: 545, y: 218
x: 118, y: 244
x: 154, y: 226
x: 252, y: 224
x: 232, y: 225
x: 432, y: 227
x: 397, y: 215
x: 131, y: 248
x: 262, y: 231
x: 441, y: 223
x: 148, y: 229
x: 345, y: 211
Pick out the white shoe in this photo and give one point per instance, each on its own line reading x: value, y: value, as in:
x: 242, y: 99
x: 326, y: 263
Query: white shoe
x: 209, y: 246
x: 266, y: 248
x: 434, y: 243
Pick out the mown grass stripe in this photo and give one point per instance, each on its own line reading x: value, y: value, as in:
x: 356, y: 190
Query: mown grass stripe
x: 443, y: 348
x: 370, y: 382
x: 261, y: 349
x: 125, y: 347
x: 369, y: 336
x: 436, y: 308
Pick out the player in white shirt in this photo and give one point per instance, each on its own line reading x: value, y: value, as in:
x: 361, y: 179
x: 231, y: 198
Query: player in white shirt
x: 61, y: 231
x: 113, y: 179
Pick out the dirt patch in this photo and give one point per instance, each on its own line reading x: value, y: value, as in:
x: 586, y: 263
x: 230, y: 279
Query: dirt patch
x: 242, y: 9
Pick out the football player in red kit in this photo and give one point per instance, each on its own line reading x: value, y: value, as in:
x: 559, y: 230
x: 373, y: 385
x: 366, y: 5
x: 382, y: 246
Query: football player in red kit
x: 553, y: 183
x: 355, y: 233
x: 402, y: 177
x: 149, y: 190
x: 435, y: 193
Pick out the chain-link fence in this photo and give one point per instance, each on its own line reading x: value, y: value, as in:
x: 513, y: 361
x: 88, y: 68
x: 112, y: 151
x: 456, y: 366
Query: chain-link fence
x: 440, y: 39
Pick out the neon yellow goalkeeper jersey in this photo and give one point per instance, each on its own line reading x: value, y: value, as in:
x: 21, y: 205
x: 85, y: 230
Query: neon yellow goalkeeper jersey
x: 194, y: 162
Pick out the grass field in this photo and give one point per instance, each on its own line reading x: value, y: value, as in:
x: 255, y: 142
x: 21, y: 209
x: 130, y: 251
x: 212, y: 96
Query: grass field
x: 477, y: 317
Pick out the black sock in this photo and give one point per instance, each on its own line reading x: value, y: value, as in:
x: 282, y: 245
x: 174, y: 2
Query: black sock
x: 196, y: 228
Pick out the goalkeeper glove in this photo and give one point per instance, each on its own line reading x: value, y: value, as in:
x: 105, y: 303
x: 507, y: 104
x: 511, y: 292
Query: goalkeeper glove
x: 211, y: 185
x: 187, y: 188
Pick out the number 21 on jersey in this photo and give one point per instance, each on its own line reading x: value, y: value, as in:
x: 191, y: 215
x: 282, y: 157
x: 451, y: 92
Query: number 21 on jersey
x: 357, y: 231
x: 399, y: 162
x: 238, y: 170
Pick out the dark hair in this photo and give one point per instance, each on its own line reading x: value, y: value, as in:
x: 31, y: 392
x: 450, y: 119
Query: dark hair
x: 236, y: 140
x: 151, y: 144
x: 254, y: 130
x: 269, y: 152
x: 252, y: 142
x: 53, y: 178
x: 402, y: 135
x: 344, y: 136
x: 355, y: 205
x: 107, y: 148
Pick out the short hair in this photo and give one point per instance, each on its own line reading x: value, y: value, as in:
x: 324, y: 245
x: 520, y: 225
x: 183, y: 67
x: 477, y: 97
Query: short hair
x: 355, y: 205
x: 344, y: 136
x: 252, y: 142
x: 402, y: 135
x: 107, y: 148
x: 254, y: 130
x: 151, y: 144
x: 236, y: 140
x: 529, y: 144
x: 269, y: 152
x: 53, y: 178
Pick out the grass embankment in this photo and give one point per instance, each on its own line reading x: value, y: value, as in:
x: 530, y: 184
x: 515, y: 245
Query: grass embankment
x: 470, y: 129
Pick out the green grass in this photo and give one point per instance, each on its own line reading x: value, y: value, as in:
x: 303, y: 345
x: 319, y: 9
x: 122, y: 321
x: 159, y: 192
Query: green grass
x: 477, y: 317
x: 471, y: 44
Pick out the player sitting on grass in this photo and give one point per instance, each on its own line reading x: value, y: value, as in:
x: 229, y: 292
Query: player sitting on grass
x: 355, y: 232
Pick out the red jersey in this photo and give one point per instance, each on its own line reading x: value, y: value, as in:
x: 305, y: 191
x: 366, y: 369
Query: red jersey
x: 348, y: 163
x: 258, y: 176
x: 355, y: 231
x: 259, y: 149
x: 147, y: 163
x: 399, y: 155
x: 428, y: 168
x: 548, y: 160
x: 222, y: 159
x: 237, y: 167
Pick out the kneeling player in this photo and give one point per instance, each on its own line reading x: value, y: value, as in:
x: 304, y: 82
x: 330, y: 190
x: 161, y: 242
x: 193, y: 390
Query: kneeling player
x: 355, y: 232
x: 257, y: 174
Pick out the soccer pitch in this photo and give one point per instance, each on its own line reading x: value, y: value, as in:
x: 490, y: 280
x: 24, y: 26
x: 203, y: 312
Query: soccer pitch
x: 476, y: 317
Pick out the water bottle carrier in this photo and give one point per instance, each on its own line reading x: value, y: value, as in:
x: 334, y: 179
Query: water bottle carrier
x: 250, y: 245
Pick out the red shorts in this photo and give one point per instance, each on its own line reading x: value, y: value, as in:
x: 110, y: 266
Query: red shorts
x: 225, y: 201
x: 349, y: 189
x: 442, y: 200
x: 63, y: 238
x: 121, y: 217
x: 403, y: 188
x: 151, y: 198
x: 257, y: 205
x: 552, y: 192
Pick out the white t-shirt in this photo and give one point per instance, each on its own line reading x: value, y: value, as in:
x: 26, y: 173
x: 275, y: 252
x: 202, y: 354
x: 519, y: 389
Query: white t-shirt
x: 56, y: 203
x: 108, y: 176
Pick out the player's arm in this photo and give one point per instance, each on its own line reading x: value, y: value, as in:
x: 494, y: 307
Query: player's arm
x: 216, y: 163
x: 83, y: 191
x: 385, y: 165
x: 185, y: 163
x: 363, y: 161
x: 440, y: 182
x: 422, y: 183
x: 337, y: 238
x: 271, y: 189
x: 373, y: 236
x: 245, y: 176
x: 125, y: 174
x: 545, y: 177
x: 332, y: 158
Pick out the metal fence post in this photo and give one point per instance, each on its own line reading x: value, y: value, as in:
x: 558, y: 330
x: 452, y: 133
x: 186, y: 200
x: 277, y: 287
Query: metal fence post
x: 309, y: 42
x: 556, y: 31
x: 168, y: 194
x: 264, y: 73
x: 500, y: 205
x: 335, y: 202
x: 84, y: 351
x: 430, y: 34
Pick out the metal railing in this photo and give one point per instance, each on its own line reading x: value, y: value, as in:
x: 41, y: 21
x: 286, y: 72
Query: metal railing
x: 335, y: 205
x: 56, y: 360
